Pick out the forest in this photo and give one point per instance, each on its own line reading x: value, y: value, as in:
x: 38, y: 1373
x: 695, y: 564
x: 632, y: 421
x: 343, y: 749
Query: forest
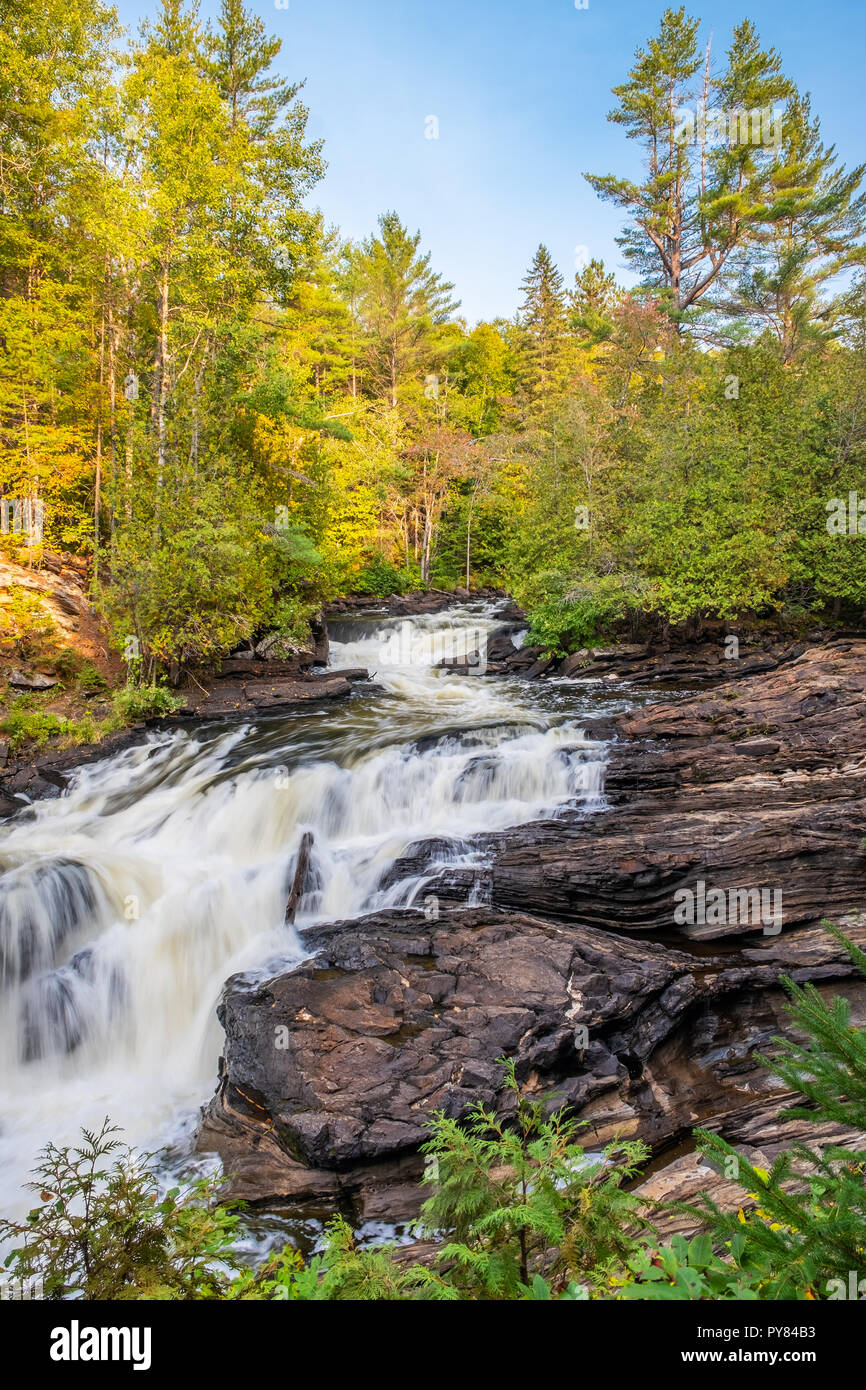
x: 236, y: 414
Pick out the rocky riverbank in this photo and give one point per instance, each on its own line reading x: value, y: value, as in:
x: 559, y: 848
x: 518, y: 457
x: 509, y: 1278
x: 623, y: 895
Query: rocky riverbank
x: 331, y: 1071
x: 758, y: 784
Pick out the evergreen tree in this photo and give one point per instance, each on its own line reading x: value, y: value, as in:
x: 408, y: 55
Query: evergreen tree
x: 401, y: 304
x: 708, y: 189
x: 591, y: 303
x: 808, y: 1226
x: 542, y: 318
x: 817, y: 231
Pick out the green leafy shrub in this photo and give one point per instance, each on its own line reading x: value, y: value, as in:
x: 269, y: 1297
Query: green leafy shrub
x: 26, y: 621
x: 688, y: 1270
x: 28, y: 722
x: 583, y: 617
x: 103, y: 1231
x: 808, y: 1224
x: 67, y: 663
x: 147, y: 701
x: 380, y: 578
x: 344, y: 1271
x: 90, y: 680
x: 290, y: 620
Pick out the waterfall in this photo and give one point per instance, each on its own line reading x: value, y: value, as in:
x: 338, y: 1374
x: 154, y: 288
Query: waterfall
x: 126, y: 903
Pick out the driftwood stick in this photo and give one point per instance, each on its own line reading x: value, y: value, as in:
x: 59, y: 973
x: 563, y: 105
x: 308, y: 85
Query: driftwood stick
x: 300, y: 875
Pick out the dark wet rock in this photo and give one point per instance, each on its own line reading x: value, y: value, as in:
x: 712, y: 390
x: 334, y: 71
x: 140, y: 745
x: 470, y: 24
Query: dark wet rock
x: 678, y: 660
x: 757, y: 784
x: 419, y: 602
x: 338, y: 1064
x: 232, y: 698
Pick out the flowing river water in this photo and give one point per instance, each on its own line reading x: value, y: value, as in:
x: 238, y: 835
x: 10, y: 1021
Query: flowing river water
x: 126, y: 903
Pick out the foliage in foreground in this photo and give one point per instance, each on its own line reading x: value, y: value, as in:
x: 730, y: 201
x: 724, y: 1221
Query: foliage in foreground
x: 103, y: 1231
x: 518, y: 1210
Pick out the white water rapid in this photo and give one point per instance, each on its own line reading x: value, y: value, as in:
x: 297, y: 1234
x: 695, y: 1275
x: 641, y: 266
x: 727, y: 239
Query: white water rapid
x: 126, y: 903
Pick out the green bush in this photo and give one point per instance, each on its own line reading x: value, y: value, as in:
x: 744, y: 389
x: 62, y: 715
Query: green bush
x: 29, y: 722
x: 586, y: 615
x: 132, y: 1243
x: 67, y: 663
x: 807, y: 1227
x: 380, y: 578
x: 521, y: 1196
x: 90, y: 680
x: 135, y: 702
x: 26, y: 621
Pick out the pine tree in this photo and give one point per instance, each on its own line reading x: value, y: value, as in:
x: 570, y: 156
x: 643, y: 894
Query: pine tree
x: 401, y: 305
x: 707, y: 187
x: 591, y: 303
x: 817, y: 232
x: 808, y: 1227
x: 542, y: 318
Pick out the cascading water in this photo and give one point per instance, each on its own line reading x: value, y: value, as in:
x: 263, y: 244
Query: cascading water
x: 126, y: 904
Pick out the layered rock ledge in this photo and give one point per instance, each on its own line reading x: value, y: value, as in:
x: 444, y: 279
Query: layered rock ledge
x: 332, y: 1071
x: 757, y: 784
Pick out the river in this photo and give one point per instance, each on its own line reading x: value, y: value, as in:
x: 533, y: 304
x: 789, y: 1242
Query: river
x: 126, y: 903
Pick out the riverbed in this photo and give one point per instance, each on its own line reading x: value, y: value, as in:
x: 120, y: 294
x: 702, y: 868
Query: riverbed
x: 127, y: 903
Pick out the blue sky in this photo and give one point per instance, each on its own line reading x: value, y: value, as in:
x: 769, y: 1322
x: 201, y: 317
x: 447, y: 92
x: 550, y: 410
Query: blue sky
x: 520, y: 89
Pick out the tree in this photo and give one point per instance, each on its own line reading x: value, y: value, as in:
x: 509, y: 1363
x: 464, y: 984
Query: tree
x: 401, y: 304
x: 808, y: 1225
x: 817, y: 231
x: 591, y: 304
x: 483, y: 368
x: 543, y: 321
x: 55, y: 90
x: 444, y: 456
x: 104, y: 1230
x: 273, y: 164
x: 520, y: 1196
x: 708, y: 190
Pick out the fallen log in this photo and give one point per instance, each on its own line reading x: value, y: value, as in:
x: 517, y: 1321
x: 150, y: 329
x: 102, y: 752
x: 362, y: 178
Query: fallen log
x: 300, y: 877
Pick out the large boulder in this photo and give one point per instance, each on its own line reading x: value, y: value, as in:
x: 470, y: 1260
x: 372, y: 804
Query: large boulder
x: 333, y: 1070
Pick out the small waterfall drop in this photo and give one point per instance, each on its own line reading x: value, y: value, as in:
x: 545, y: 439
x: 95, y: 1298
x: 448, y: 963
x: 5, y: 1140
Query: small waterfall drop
x: 126, y: 903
